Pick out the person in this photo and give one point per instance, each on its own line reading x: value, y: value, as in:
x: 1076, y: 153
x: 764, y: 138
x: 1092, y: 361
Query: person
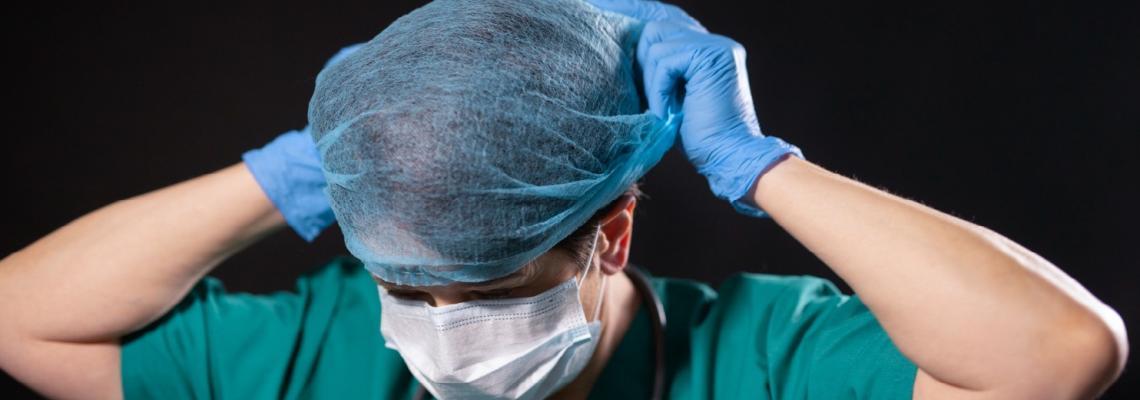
x: 114, y: 304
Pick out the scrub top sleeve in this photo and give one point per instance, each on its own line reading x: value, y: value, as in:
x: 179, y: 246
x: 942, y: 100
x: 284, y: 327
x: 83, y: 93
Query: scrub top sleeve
x: 822, y: 344
x: 215, y: 344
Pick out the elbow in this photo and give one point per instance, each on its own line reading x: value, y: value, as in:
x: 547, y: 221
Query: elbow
x: 1113, y: 344
x: 1095, y: 351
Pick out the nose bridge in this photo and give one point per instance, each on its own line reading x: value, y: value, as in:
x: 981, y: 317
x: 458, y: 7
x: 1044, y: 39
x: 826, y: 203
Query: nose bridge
x: 445, y: 295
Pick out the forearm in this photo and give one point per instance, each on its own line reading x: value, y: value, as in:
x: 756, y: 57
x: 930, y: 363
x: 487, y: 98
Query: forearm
x: 968, y: 306
x: 118, y: 268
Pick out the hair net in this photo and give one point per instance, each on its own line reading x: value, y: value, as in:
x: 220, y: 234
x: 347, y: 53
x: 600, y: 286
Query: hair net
x: 469, y: 137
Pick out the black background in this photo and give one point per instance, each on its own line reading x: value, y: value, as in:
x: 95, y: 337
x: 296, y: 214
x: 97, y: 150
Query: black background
x: 1019, y: 117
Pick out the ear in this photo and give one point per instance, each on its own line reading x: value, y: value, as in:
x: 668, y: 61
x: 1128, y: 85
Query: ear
x: 616, y: 233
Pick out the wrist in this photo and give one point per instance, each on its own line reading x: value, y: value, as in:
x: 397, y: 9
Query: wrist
x: 768, y: 183
x: 289, y: 173
x: 735, y: 176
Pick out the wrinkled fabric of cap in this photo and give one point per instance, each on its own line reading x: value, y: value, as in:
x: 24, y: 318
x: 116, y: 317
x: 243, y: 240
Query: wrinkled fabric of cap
x: 470, y: 137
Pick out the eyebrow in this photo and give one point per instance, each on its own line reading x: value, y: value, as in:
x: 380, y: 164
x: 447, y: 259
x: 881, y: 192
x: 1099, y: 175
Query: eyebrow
x: 522, y: 275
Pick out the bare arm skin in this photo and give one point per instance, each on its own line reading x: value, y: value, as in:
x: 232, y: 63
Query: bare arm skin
x: 67, y: 298
x: 981, y: 316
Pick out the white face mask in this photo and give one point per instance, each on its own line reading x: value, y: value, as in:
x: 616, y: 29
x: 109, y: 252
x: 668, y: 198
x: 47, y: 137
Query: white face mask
x: 519, y: 348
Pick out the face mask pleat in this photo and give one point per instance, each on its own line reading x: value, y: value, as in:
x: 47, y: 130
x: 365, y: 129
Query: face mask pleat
x: 508, y: 348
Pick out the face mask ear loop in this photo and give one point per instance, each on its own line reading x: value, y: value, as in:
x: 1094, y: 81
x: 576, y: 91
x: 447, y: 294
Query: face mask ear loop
x: 590, y: 257
x: 601, y: 296
x: 602, y: 289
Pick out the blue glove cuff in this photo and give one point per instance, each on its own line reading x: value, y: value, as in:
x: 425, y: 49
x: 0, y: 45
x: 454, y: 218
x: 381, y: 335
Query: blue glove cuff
x: 289, y: 172
x: 733, y: 176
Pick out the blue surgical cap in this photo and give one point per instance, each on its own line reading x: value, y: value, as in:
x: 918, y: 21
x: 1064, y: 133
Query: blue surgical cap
x: 470, y: 137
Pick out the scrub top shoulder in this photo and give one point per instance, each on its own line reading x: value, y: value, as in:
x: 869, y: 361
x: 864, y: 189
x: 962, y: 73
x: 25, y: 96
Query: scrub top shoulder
x: 757, y: 336
x: 765, y: 336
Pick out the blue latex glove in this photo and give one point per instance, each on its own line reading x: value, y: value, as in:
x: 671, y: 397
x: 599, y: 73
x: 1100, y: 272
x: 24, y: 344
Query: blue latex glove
x: 719, y: 130
x: 288, y: 169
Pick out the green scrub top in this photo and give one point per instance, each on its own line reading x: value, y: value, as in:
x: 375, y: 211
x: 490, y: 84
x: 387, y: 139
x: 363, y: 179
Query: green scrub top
x: 758, y: 336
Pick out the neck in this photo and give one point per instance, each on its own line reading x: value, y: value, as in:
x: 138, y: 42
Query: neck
x: 618, y: 309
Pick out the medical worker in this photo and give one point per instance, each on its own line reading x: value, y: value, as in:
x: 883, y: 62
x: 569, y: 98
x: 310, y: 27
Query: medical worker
x: 487, y: 197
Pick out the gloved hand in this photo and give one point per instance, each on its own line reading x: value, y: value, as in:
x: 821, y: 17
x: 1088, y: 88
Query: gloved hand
x: 288, y: 169
x: 719, y: 131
